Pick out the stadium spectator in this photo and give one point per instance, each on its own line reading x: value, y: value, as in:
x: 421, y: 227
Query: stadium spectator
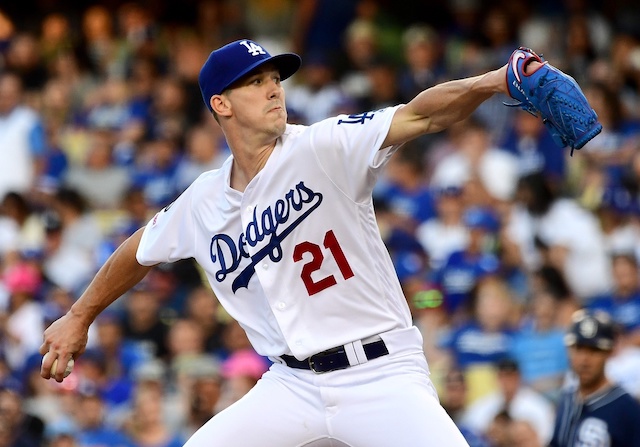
x: 577, y: 250
x: 444, y: 233
x: 463, y: 269
x: 534, y: 148
x: 623, y: 301
x: 538, y: 346
x: 517, y: 400
x: 476, y: 344
x: 424, y: 69
x: 22, y: 138
x: 143, y: 324
x: 476, y: 158
x: 146, y: 426
x: 22, y: 316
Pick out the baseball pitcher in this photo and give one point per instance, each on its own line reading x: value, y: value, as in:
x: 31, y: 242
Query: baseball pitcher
x: 286, y: 233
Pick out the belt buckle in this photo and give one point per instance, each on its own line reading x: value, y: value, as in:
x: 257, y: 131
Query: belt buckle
x: 312, y: 365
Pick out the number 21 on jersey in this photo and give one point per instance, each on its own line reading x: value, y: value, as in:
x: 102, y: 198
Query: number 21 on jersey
x: 317, y: 258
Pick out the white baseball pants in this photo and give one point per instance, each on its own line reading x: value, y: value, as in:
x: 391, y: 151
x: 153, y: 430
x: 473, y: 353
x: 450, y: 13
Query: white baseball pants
x: 389, y: 401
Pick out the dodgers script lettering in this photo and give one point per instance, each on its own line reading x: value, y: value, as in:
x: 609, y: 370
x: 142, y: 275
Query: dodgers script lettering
x: 274, y: 222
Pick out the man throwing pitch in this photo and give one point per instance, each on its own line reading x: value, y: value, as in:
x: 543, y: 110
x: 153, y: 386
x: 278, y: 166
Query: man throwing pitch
x: 286, y: 233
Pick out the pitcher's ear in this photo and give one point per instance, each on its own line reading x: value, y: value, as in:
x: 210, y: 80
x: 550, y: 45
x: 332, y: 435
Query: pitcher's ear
x: 220, y: 105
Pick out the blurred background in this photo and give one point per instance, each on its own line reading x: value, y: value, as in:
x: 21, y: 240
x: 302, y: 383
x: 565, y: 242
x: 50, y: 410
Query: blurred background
x: 497, y: 234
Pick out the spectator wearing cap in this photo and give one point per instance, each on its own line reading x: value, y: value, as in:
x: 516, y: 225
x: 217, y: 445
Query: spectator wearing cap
x: 241, y: 370
x: 23, y: 316
x: 153, y: 374
x: 463, y: 268
x: 92, y: 374
x: 617, y: 211
x: 517, y: 400
x: 592, y: 409
x: 171, y: 284
x: 198, y: 386
x: 241, y: 367
x: 361, y: 46
x: 444, y: 233
x: 422, y: 56
x: 623, y: 301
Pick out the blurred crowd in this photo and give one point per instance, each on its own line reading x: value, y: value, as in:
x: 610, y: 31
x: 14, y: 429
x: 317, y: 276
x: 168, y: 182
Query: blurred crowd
x: 497, y: 234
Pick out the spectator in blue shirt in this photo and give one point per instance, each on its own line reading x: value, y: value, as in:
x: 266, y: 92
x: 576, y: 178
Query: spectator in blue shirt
x: 623, y: 303
x: 405, y: 189
x: 538, y: 346
x: 92, y: 430
x: 533, y: 145
x: 487, y: 337
x: 464, y: 268
x: 156, y: 171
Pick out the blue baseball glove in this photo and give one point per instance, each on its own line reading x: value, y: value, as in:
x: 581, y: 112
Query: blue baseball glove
x: 555, y: 97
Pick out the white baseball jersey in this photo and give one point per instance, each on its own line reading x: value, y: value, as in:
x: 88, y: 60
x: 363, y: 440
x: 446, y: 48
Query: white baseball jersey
x: 297, y: 258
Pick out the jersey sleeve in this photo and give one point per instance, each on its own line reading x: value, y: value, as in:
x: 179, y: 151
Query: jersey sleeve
x: 348, y: 148
x: 169, y: 235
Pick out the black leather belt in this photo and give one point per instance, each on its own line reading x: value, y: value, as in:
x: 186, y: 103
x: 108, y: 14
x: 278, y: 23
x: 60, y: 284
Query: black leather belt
x: 334, y: 358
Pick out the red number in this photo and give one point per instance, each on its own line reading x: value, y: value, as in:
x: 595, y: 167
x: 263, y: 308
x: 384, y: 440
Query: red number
x: 312, y: 286
x: 330, y: 242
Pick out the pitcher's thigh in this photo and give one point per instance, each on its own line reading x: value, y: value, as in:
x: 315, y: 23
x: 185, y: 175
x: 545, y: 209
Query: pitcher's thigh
x: 272, y: 414
x: 401, y: 412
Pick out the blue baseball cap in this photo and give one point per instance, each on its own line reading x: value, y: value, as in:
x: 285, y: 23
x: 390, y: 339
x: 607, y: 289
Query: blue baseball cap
x: 482, y: 218
x: 592, y: 328
x: 229, y: 63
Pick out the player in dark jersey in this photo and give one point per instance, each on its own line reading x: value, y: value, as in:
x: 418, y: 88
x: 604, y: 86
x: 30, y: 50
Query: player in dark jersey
x: 594, y: 412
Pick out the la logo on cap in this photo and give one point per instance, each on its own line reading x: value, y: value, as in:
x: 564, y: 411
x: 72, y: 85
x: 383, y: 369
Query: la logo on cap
x: 253, y: 48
